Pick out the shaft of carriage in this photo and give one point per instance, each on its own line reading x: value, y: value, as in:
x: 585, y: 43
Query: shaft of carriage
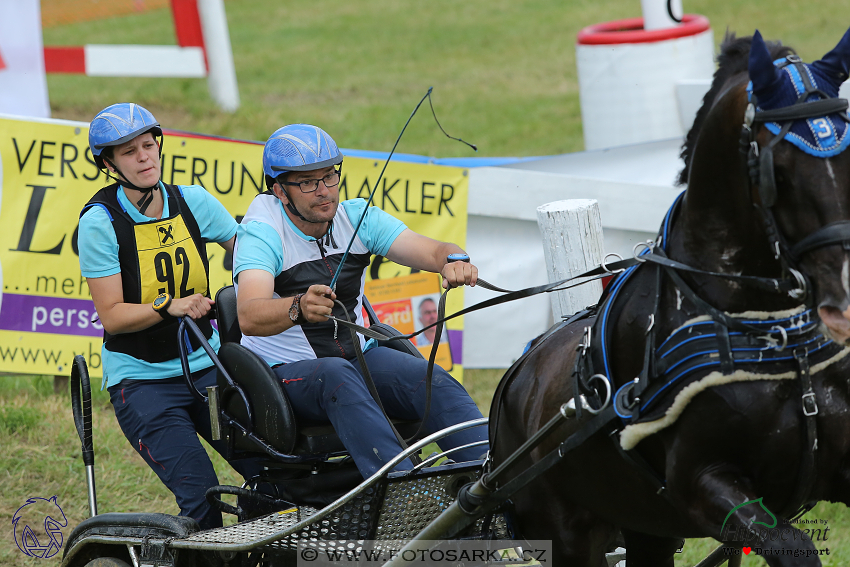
x: 472, y: 501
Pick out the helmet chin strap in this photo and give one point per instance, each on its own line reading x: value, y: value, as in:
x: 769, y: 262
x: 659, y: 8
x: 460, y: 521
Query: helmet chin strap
x: 147, y: 192
x: 328, y: 235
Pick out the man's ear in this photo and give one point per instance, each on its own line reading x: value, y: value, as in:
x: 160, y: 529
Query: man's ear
x: 279, y: 193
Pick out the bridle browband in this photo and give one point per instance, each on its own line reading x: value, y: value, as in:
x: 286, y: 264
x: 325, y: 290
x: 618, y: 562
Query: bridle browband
x: 761, y: 169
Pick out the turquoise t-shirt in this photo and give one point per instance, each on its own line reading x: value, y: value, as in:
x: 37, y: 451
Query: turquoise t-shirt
x: 98, y: 247
x: 260, y: 247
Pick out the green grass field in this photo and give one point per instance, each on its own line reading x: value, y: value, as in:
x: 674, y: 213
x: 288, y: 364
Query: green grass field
x: 504, y: 78
x: 503, y: 71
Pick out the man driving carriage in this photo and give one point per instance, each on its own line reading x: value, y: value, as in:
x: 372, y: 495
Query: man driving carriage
x: 289, y: 247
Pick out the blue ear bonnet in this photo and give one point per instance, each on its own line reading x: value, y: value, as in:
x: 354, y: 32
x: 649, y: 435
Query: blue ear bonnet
x: 823, y: 136
x: 779, y: 84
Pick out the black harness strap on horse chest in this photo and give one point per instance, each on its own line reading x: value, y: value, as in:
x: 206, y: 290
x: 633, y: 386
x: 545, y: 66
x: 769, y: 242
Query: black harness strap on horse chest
x: 806, y: 472
x: 722, y: 341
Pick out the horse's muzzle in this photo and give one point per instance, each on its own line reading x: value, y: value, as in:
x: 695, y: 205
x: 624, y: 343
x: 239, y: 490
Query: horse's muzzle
x: 837, y: 322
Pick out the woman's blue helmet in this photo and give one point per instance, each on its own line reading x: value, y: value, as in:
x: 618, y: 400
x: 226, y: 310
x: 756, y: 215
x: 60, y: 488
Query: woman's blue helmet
x: 117, y: 124
x: 298, y: 147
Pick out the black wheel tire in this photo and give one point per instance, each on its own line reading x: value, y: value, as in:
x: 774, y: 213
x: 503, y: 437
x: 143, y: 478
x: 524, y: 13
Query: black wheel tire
x: 107, y: 562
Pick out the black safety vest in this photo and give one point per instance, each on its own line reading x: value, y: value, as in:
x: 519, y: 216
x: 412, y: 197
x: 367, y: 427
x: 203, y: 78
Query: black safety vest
x: 166, y: 255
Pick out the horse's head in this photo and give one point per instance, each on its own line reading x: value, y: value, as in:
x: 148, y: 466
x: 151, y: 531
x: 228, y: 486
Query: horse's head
x: 801, y: 171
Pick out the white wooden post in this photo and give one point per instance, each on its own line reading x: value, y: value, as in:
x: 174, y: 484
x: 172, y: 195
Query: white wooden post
x: 572, y: 244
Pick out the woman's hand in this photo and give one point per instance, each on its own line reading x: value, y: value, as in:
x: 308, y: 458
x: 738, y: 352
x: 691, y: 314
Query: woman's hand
x: 195, y: 306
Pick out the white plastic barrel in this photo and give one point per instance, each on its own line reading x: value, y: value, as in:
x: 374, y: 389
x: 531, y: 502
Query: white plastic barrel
x: 629, y: 79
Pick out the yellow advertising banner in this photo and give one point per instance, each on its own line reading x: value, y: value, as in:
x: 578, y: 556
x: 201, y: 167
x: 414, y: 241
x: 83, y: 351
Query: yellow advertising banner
x: 47, y: 174
x: 408, y: 304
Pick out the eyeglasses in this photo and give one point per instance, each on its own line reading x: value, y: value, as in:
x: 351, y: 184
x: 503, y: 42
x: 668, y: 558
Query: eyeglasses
x: 310, y: 185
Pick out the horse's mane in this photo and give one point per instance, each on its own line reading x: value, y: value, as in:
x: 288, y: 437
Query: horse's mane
x: 733, y: 59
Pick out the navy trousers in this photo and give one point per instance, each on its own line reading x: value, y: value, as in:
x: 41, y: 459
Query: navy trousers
x: 333, y: 389
x: 162, y: 420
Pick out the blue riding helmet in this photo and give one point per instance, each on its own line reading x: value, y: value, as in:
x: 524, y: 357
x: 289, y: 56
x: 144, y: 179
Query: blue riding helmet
x: 299, y: 147
x: 117, y: 124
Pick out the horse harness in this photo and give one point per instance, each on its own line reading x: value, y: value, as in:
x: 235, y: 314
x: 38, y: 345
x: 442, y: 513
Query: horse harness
x: 717, y: 340
x: 721, y: 340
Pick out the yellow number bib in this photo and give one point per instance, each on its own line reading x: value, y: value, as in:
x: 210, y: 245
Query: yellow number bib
x: 168, y: 260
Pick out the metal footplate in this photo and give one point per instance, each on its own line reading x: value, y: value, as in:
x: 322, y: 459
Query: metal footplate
x: 394, y: 510
x: 384, y: 506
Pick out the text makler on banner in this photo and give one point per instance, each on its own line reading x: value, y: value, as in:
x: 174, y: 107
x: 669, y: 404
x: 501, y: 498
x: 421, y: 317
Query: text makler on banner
x: 47, y: 174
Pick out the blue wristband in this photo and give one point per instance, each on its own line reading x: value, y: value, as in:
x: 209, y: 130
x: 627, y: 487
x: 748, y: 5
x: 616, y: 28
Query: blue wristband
x: 457, y: 257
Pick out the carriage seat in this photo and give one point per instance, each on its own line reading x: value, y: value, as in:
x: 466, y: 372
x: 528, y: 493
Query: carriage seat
x: 274, y: 421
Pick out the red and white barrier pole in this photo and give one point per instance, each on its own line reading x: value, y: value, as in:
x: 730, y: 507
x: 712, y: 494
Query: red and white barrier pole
x: 202, y: 50
x: 222, y: 73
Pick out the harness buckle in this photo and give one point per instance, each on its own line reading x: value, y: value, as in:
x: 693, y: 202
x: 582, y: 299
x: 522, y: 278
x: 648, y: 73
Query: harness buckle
x: 604, y: 267
x: 783, y: 333
x: 749, y: 115
x: 810, y: 404
x: 584, y: 345
x: 607, y: 400
x: 801, y: 291
x: 648, y: 245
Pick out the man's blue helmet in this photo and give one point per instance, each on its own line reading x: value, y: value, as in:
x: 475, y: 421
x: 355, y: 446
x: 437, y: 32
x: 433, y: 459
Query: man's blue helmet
x: 299, y: 147
x: 117, y: 124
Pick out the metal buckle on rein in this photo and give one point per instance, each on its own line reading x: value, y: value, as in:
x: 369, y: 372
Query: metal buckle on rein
x: 605, y: 382
x: 608, y: 270
x: 648, y: 245
x: 780, y: 346
x: 584, y: 345
x: 801, y: 291
x: 812, y: 402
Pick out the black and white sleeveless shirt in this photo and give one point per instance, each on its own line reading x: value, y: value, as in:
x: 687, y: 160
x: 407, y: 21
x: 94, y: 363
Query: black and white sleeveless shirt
x: 268, y: 240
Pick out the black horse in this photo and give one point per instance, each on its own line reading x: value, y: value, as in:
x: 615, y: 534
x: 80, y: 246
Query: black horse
x: 750, y: 269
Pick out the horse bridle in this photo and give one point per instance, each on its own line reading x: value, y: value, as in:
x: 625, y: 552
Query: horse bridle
x: 761, y: 171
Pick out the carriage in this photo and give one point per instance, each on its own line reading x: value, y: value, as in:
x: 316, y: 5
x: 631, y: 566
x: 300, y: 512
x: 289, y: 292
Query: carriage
x: 321, y: 504
x: 739, y: 311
